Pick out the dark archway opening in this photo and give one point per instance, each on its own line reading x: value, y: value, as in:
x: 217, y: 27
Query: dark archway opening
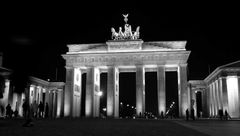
x: 83, y: 97
x: 199, y: 103
x: 172, y: 104
x: 127, y: 95
x: 151, y: 102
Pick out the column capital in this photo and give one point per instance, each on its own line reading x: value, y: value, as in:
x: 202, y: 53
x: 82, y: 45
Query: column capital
x: 68, y: 67
x: 183, y: 65
x: 159, y: 65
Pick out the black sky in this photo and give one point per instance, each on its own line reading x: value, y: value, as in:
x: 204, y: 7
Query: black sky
x: 34, y: 35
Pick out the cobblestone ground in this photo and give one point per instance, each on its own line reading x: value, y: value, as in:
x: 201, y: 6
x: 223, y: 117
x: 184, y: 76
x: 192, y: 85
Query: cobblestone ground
x: 214, y: 127
x: 115, y: 127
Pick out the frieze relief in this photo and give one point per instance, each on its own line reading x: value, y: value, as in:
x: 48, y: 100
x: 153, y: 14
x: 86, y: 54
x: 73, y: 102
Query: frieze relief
x: 123, y: 59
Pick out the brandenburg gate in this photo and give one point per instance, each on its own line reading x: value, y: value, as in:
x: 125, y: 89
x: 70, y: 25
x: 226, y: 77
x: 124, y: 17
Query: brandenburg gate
x: 124, y: 53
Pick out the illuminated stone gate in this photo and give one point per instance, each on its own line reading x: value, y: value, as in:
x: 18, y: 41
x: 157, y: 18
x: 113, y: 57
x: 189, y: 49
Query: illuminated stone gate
x: 125, y: 53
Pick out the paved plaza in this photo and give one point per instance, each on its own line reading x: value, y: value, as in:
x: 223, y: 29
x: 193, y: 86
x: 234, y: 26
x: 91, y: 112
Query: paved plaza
x: 119, y: 127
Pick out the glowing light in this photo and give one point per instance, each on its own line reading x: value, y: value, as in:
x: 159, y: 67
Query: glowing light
x: 88, y: 109
x: 132, y: 107
x: 100, y: 93
x: 127, y: 105
x: 121, y: 103
x: 104, y: 109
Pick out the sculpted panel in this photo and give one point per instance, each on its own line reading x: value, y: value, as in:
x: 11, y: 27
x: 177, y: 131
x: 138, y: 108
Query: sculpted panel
x: 122, y: 59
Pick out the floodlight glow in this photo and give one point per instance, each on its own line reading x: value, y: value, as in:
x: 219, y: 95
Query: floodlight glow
x: 100, y: 93
x: 121, y: 103
x: 104, y: 109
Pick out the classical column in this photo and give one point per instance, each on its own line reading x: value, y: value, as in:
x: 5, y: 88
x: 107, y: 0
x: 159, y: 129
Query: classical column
x: 35, y: 93
x: 96, y: 106
x: 47, y: 98
x: 77, y: 92
x: 54, y: 108
x: 68, y: 92
x: 208, y: 110
x: 140, y: 90
x: 214, y: 98
x: 59, y: 103
x: 184, y: 98
x: 217, y: 95
x: 239, y: 93
x: 204, y: 103
x: 92, y: 104
x: 193, y: 101
x: 89, y: 93
x: 50, y: 103
x: 224, y: 94
x: 161, y: 90
x: 113, y: 92
x: 220, y: 93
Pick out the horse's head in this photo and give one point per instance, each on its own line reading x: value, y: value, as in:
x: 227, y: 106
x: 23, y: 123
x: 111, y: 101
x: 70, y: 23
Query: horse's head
x: 113, y: 30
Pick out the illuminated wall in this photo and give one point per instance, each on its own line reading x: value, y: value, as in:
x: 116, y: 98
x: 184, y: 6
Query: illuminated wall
x: 4, y: 100
x: 233, y: 99
x: 31, y: 97
x: 68, y: 96
x: 59, y: 102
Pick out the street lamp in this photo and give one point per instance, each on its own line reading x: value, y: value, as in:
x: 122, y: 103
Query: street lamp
x: 100, y: 93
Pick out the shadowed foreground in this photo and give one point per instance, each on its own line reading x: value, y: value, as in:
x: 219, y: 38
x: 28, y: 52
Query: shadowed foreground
x: 96, y: 127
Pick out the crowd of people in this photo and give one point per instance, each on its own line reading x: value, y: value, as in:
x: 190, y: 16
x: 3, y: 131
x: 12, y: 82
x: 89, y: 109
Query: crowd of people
x: 221, y: 116
x: 35, y: 110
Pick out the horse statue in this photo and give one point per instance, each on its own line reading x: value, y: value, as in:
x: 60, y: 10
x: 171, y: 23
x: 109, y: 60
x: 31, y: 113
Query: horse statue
x: 136, y: 34
x: 115, y: 35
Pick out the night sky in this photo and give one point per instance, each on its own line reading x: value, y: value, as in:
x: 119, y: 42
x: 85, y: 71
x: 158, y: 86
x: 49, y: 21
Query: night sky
x: 34, y: 35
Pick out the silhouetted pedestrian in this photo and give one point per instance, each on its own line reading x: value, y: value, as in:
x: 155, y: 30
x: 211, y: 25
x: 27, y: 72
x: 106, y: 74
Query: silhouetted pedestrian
x: 192, y: 114
x: 9, y: 111
x: 15, y: 113
x: 26, y: 109
x: 162, y: 116
x: 46, y: 110
x: 41, y: 109
x: 2, y: 110
x: 187, y: 114
x: 227, y: 115
x: 34, y: 107
x: 220, y: 112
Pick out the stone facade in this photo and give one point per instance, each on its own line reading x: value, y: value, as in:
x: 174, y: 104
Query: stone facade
x: 118, y: 56
x: 220, y: 91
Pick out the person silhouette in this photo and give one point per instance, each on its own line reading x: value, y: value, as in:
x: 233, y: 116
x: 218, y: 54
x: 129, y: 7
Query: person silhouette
x: 162, y: 116
x: 46, y: 110
x: 227, y: 116
x: 187, y: 114
x: 192, y: 114
x: 9, y: 111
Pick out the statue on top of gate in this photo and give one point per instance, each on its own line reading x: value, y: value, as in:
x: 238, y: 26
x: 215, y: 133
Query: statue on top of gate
x: 128, y: 34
